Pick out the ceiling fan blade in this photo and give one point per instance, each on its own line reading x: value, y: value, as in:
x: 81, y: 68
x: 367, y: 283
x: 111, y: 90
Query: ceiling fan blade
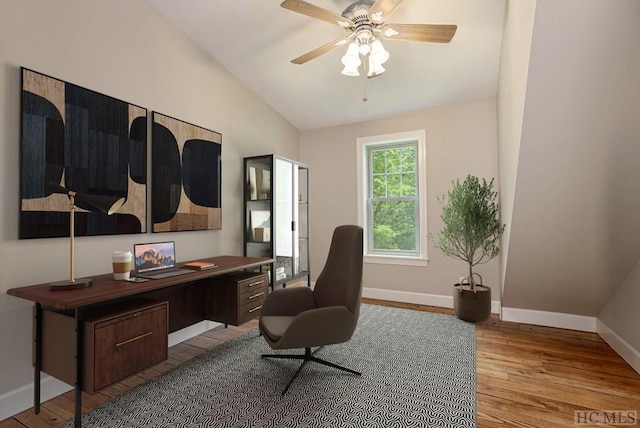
x: 419, y: 32
x: 316, y: 12
x: 382, y: 9
x: 321, y: 50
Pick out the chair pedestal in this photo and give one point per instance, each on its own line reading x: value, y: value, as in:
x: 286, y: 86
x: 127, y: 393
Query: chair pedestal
x: 308, y: 356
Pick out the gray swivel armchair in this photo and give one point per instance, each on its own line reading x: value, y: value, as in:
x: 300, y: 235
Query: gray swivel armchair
x: 299, y: 317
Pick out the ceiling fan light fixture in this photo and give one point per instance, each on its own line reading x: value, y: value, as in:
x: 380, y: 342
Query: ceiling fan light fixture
x: 351, y: 60
x: 375, y: 68
x: 365, y: 22
x: 350, y: 71
x: 378, y: 52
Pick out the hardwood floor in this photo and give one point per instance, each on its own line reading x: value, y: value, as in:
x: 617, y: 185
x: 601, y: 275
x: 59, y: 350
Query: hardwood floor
x: 527, y: 376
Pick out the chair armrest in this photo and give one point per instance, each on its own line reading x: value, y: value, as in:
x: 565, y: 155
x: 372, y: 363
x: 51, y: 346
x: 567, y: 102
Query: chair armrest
x: 288, y: 302
x: 318, y: 327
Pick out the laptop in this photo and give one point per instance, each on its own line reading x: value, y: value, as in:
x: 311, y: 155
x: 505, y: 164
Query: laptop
x: 156, y: 260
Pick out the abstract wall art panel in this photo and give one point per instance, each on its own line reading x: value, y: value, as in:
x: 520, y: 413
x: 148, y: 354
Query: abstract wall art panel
x: 86, y: 142
x: 186, y: 176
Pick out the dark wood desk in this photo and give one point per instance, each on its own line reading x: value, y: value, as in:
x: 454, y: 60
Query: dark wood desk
x: 186, y: 295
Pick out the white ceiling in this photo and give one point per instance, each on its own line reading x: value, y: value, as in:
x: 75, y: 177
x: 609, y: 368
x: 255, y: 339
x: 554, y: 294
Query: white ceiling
x: 256, y: 40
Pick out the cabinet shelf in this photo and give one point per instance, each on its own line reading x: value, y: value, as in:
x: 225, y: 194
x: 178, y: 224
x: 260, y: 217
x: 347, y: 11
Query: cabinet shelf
x: 292, y: 278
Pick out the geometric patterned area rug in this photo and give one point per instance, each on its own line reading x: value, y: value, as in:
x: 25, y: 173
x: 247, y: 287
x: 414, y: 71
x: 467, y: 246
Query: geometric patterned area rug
x: 418, y: 370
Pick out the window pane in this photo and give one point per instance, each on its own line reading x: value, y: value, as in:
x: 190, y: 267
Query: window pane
x: 408, y: 159
x: 409, y: 185
x: 379, y: 186
x: 394, y: 188
x: 394, y: 160
x: 394, y: 224
x: 379, y: 161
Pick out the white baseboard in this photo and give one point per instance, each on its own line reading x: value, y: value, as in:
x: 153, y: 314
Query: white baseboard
x: 550, y: 319
x: 191, y: 331
x: 621, y: 346
x: 20, y: 399
x: 417, y: 298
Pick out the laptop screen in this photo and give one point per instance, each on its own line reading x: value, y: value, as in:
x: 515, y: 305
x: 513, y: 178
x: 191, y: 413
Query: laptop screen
x: 154, y: 257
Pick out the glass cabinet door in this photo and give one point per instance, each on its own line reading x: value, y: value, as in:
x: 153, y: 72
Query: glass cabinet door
x: 284, y: 219
x: 303, y: 218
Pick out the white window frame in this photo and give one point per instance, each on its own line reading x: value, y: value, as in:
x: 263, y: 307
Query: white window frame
x: 362, y: 143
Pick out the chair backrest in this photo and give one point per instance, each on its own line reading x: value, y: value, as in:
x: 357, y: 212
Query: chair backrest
x: 340, y: 282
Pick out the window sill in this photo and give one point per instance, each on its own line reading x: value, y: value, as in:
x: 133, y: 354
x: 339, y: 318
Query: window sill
x: 390, y: 260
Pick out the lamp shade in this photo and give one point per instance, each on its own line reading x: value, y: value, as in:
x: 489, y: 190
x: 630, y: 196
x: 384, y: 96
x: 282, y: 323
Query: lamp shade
x: 350, y: 71
x: 351, y: 60
x: 106, y: 204
x: 378, y: 53
x: 375, y: 69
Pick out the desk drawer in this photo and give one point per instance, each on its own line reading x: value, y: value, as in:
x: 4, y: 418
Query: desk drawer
x: 250, y: 310
x: 117, y: 342
x: 237, y: 298
x: 127, y: 344
x: 251, y: 285
x: 253, y: 297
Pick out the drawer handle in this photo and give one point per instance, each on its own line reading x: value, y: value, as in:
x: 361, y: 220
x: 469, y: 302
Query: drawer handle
x: 256, y: 295
x: 255, y: 309
x: 253, y: 284
x: 133, y: 339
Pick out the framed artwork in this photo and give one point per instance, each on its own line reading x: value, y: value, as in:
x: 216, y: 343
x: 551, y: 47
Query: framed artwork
x: 86, y: 142
x: 186, y: 176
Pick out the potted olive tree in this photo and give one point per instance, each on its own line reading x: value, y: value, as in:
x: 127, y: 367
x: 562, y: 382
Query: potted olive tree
x: 471, y: 233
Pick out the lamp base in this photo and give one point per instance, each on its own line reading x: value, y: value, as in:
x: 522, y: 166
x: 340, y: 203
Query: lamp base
x: 68, y: 285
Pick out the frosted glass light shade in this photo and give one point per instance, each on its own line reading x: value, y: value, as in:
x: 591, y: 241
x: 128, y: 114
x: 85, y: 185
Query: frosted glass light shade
x: 351, y: 60
x: 378, y: 52
x: 375, y: 69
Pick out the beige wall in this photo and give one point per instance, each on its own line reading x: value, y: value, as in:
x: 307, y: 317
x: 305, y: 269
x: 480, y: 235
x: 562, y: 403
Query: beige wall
x: 574, y: 231
x: 621, y: 317
x: 461, y: 140
x: 512, y: 86
x: 125, y: 49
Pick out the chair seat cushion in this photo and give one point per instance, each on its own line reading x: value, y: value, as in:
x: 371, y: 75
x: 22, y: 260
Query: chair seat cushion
x: 275, y: 326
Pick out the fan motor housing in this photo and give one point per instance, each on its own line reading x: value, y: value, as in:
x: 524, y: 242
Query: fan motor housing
x: 357, y: 12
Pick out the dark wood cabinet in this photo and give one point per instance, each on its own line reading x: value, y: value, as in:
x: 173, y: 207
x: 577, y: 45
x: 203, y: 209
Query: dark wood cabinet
x: 237, y: 298
x: 117, y: 342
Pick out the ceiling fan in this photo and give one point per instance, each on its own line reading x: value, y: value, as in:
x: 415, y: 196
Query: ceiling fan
x: 365, y: 23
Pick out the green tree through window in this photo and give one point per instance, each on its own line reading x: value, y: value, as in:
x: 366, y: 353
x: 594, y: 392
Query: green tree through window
x: 393, y: 201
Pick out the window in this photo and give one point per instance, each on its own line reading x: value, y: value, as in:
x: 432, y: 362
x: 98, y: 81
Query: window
x: 391, y: 197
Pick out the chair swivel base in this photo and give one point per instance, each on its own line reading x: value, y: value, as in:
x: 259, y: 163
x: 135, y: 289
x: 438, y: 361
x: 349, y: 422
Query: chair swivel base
x: 307, y: 357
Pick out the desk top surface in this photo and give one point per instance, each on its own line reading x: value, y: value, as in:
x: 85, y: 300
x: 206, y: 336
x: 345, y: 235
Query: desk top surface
x: 104, y: 288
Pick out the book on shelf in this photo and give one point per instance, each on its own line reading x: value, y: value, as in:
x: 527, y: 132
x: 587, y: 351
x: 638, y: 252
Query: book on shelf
x: 200, y: 265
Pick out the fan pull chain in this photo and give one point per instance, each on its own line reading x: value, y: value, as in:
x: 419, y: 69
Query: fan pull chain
x: 364, y: 97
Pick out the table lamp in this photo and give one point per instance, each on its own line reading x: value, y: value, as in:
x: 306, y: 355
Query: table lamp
x: 106, y: 204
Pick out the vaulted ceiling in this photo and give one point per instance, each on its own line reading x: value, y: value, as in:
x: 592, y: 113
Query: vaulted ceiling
x: 574, y: 71
x: 256, y: 40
